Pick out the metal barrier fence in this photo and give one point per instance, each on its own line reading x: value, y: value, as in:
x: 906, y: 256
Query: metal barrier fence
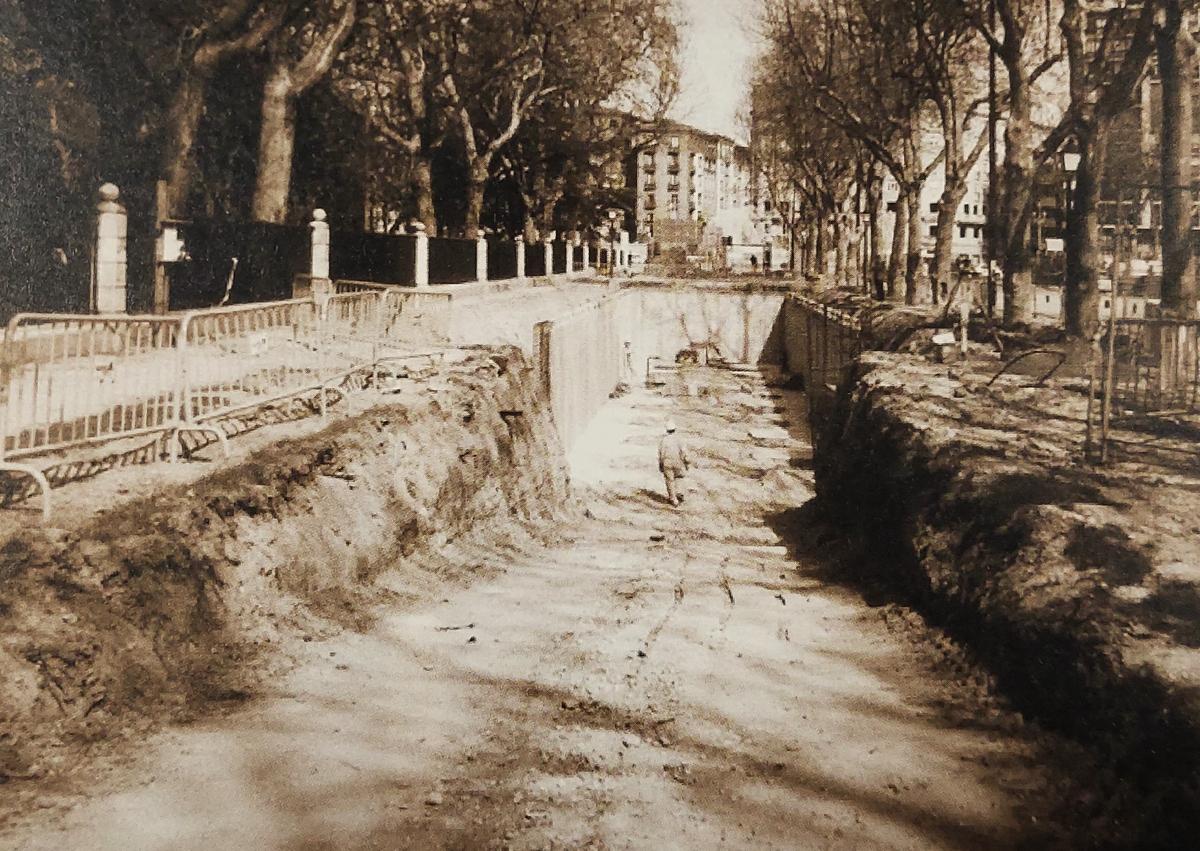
x: 1144, y: 368
x: 418, y: 318
x: 68, y: 381
x: 235, y: 358
x: 1156, y: 366
x: 74, y: 380
x: 407, y: 315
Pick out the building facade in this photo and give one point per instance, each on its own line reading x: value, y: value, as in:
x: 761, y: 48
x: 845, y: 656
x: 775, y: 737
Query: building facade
x: 690, y: 185
x: 969, y: 219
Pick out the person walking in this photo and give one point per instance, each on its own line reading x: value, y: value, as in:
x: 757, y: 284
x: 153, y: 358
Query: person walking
x: 673, y: 463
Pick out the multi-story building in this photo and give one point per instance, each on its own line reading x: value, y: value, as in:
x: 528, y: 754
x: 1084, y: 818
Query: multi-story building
x: 689, y: 185
x: 969, y: 218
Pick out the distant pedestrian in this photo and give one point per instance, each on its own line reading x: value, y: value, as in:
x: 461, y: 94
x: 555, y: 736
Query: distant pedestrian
x: 754, y: 263
x: 673, y: 463
x: 627, y: 365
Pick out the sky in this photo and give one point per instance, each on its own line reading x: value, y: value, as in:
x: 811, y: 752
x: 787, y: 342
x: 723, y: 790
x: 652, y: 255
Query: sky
x: 716, y: 58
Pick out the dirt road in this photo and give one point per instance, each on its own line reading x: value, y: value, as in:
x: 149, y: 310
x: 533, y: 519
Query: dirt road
x: 655, y: 679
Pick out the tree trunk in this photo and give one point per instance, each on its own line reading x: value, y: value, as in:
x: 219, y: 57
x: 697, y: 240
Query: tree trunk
x: 1083, y: 237
x: 178, y: 161
x: 285, y: 82
x: 529, y: 228
x: 875, y: 242
x: 1017, y: 282
x: 912, y: 261
x: 943, y: 242
x: 422, y: 186
x: 476, y: 185
x: 819, y: 267
x: 895, y: 280
x: 840, y: 247
x: 1176, y: 64
x: 1013, y: 215
x: 276, y: 141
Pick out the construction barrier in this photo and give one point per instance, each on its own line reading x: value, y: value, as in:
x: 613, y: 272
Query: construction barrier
x: 237, y: 358
x: 73, y: 380
x: 68, y: 381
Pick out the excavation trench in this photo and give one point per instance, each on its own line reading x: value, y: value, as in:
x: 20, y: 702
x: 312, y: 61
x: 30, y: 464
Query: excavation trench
x: 433, y: 643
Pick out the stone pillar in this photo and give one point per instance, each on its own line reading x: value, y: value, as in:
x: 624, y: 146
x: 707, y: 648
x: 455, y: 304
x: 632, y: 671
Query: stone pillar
x: 320, y: 244
x: 108, y: 272
x: 623, y: 257
x: 481, y: 248
x: 320, y: 287
x: 520, y: 244
x: 421, y: 273
x: 548, y: 247
x: 575, y: 243
x: 587, y: 246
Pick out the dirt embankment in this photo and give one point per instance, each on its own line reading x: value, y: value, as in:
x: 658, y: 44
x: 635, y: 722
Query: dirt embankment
x: 974, y: 504
x: 150, y: 609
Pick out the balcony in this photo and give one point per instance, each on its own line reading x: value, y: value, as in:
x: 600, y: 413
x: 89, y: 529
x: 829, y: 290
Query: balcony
x: 673, y: 168
x: 650, y: 186
x: 673, y: 186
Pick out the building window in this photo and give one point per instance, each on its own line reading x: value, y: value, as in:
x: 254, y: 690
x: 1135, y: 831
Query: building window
x: 674, y: 143
x: 977, y: 209
x: 933, y: 230
x: 933, y: 207
x: 967, y: 209
x: 892, y: 206
x: 962, y: 231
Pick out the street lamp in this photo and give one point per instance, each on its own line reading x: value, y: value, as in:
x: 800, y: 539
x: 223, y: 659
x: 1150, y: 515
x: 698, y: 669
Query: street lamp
x: 1070, y: 163
x: 613, y: 214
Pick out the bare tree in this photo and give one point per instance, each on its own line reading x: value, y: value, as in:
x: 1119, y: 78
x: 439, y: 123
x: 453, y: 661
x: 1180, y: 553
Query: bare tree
x: 1105, y: 64
x: 301, y: 53
x: 1024, y: 46
x: 233, y: 28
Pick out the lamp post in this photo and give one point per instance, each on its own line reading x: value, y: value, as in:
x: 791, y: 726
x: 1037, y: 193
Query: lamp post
x: 1070, y: 164
x: 613, y: 213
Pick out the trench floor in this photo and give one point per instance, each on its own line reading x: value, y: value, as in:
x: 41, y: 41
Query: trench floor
x: 654, y: 678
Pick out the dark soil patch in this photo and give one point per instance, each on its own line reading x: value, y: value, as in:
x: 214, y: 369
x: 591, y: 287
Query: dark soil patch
x: 1110, y: 551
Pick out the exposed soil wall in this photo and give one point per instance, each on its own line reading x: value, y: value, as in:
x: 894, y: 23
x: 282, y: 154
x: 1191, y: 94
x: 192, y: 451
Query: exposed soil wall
x: 973, y: 504
x: 150, y: 609
x: 740, y: 324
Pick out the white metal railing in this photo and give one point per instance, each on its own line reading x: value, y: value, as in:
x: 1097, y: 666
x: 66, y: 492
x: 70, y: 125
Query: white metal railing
x: 68, y: 381
x: 72, y: 380
x: 241, y: 357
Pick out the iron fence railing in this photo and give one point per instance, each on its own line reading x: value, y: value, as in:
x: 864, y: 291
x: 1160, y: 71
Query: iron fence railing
x: 832, y: 339
x: 1142, y: 368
